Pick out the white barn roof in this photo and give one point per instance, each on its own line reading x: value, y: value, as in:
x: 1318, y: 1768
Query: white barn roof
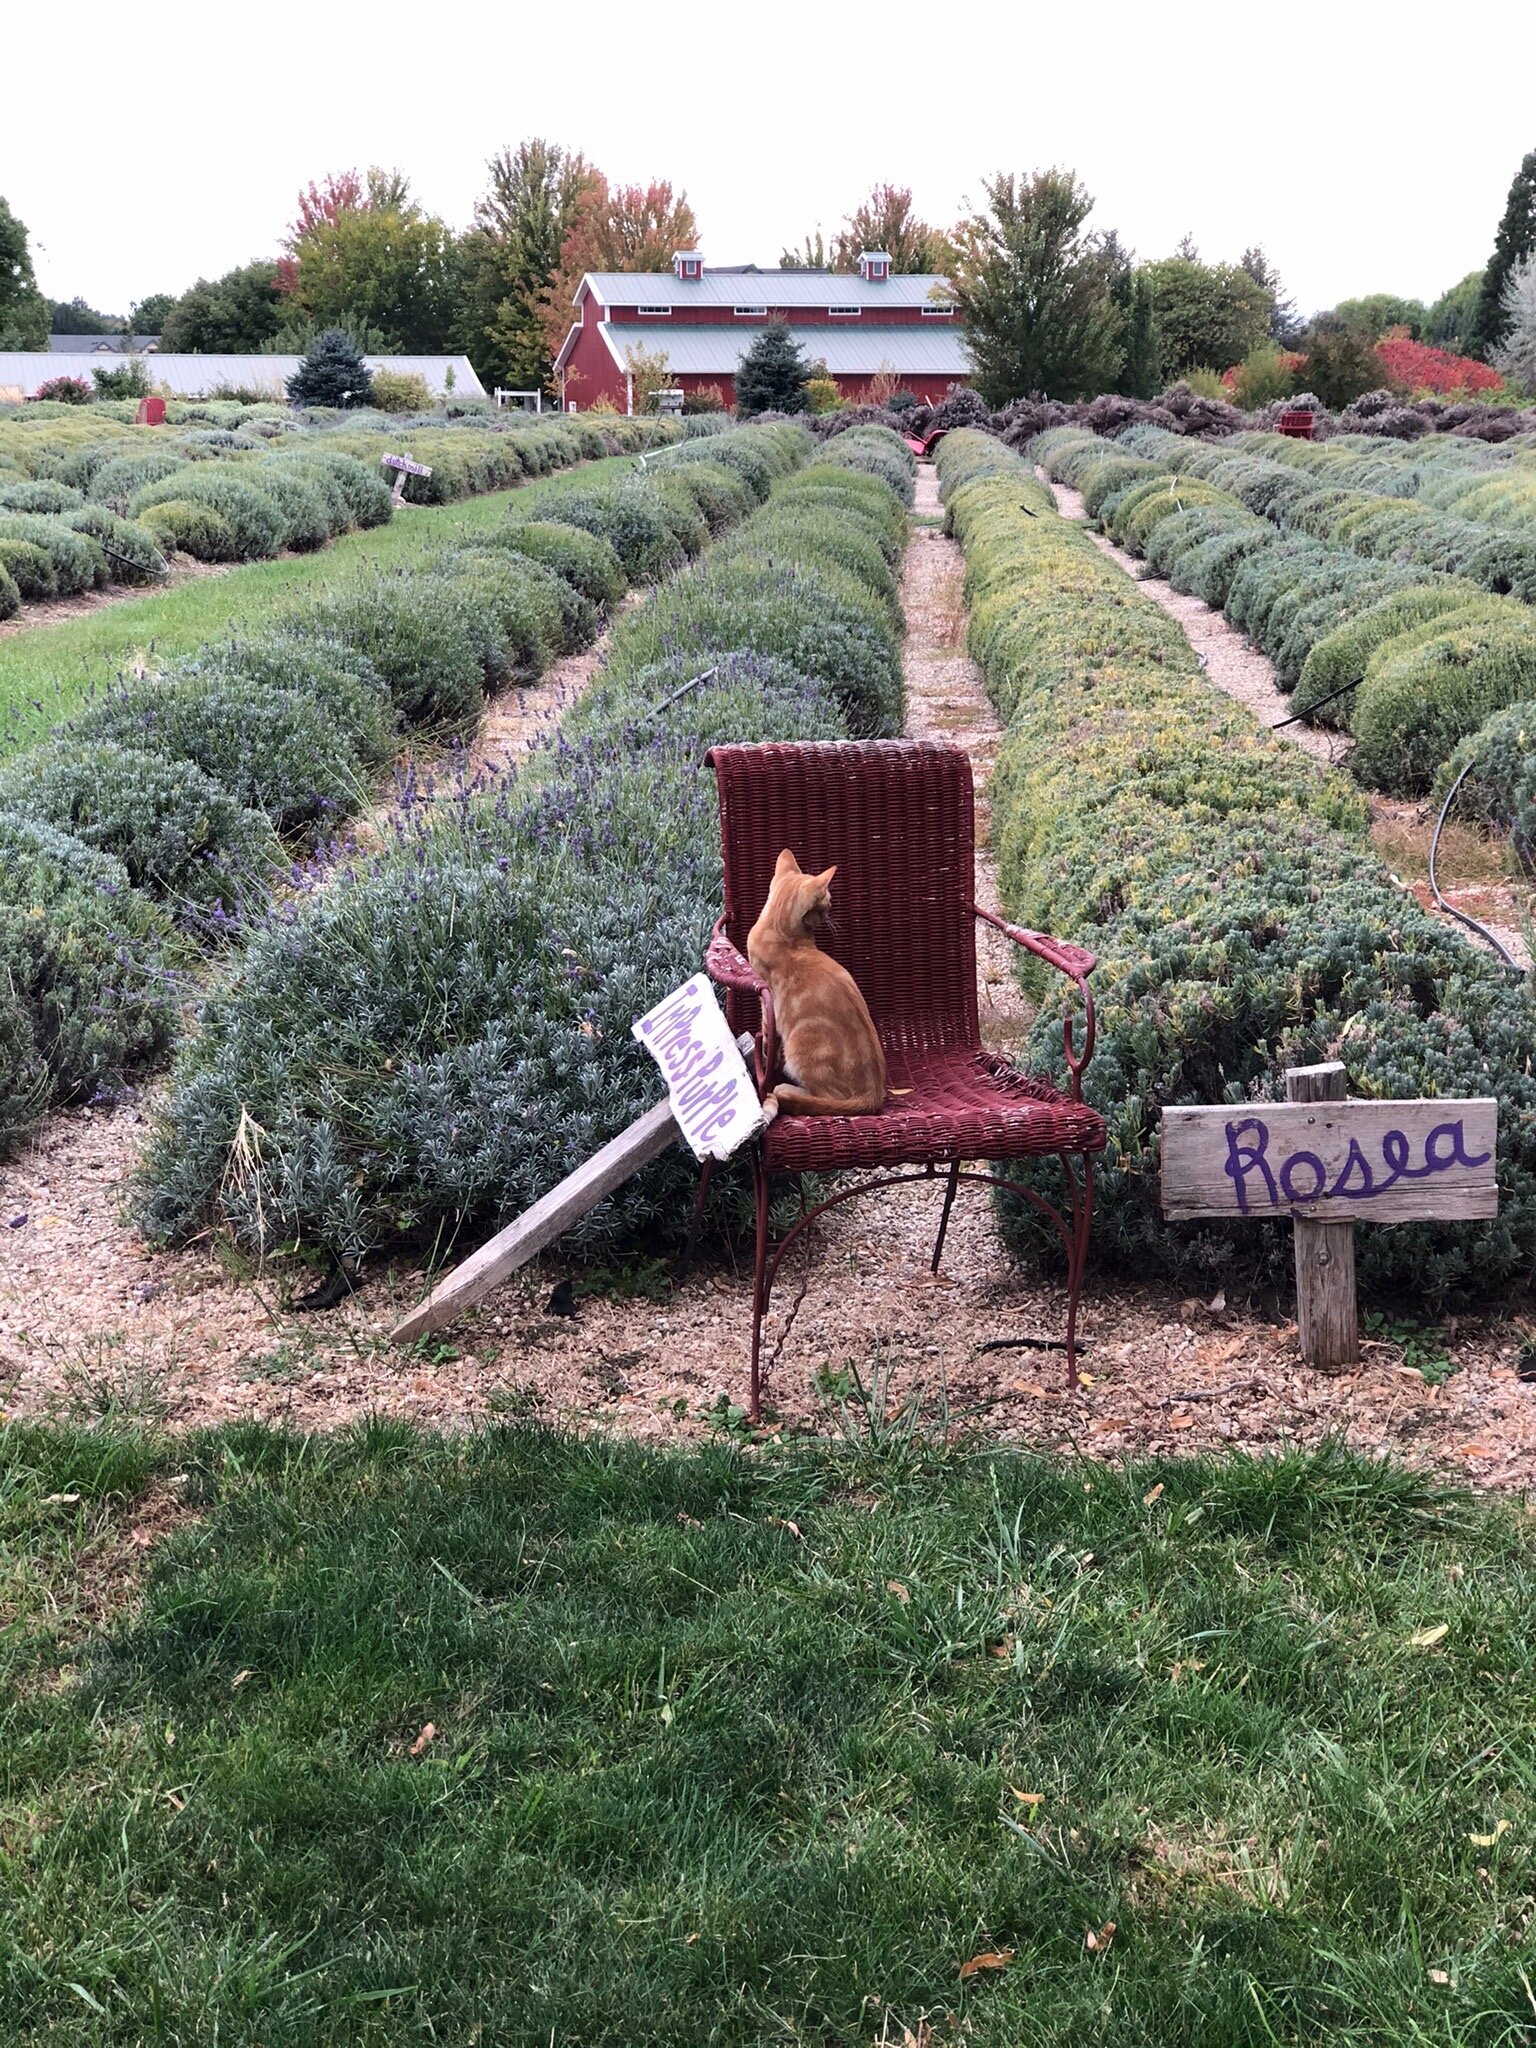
x: 196, y: 376
x: 749, y: 286
x: 936, y: 351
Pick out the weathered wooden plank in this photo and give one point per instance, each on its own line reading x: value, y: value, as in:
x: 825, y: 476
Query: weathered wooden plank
x: 1327, y: 1313
x: 550, y: 1217
x: 1422, y: 1160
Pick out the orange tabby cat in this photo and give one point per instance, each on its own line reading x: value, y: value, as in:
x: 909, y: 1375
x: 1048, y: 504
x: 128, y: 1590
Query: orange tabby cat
x: 830, y: 1047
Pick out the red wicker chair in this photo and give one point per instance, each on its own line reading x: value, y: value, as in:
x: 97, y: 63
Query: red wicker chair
x: 898, y: 819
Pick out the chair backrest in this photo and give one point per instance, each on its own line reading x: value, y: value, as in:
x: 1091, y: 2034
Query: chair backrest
x: 898, y: 818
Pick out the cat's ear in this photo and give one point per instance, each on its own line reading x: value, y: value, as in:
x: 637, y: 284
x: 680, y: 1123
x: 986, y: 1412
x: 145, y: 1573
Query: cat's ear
x: 824, y: 879
x: 786, y: 865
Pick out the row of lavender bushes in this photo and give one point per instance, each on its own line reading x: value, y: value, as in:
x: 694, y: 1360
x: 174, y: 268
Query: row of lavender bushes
x: 425, y: 1041
x: 158, y: 821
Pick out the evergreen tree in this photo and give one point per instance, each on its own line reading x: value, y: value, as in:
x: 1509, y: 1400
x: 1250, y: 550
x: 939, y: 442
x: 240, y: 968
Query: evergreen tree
x: 773, y: 374
x: 1449, y: 321
x: 1035, y: 291
x: 23, y: 309
x: 1342, y: 363
x: 1140, y: 373
x: 1515, y: 356
x: 331, y: 372
x: 1516, y: 238
x: 1284, y: 323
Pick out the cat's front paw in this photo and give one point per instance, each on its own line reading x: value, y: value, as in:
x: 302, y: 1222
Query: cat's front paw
x: 770, y: 1109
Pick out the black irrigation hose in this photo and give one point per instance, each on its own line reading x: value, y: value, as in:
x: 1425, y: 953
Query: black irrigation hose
x: 1317, y: 704
x: 692, y: 684
x: 1450, y: 908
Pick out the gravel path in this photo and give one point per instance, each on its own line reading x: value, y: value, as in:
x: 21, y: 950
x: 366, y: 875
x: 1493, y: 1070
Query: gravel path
x: 90, y: 1318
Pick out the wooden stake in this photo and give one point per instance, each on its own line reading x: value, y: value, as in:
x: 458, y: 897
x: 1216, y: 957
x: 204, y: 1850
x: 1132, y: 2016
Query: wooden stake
x: 550, y: 1217
x: 1326, y: 1313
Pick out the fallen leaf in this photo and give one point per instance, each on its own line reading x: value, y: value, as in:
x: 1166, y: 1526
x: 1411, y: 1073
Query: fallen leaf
x: 1027, y: 1798
x: 1487, y: 1841
x: 782, y: 1522
x: 1473, y: 1451
x: 688, y: 1521
x: 989, y: 1959
x: 689, y: 1940
x: 1098, y: 1938
x: 1085, y: 1379
x: 1181, y: 1422
x: 59, y: 1500
x: 177, y: 1805
x: 1427, y: 1638
x: 238, y: 1680
x: 1156, y: 1494
x: 1216, y: 1304
x: 427, y: 1736
x: 1439, y: 1977
x: 895, y: 1586
x: 1002, y: 1648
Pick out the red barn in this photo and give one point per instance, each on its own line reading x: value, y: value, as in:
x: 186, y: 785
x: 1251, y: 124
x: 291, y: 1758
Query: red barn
x: 702, y: 321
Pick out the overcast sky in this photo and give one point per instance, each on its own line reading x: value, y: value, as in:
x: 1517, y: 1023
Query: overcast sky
x: 145, y: 147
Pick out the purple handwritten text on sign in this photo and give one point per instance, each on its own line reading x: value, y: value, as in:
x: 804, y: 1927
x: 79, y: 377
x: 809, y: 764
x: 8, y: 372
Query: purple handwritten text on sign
x: 713, y: 1096
x: 1302, y: 1176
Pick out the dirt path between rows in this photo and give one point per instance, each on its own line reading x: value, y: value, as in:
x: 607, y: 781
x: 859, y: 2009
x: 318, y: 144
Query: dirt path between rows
x: 1468, y: 868
x: 91, y: 1318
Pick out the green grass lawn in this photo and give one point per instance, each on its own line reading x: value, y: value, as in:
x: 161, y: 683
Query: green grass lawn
x: 48, y: 671
x: 737, y: 1748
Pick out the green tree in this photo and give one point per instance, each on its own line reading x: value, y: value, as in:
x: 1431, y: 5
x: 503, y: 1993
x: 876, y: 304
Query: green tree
x: 331, y: 372
x: 23, y: 309
x: 1448, y: 323
x: 1208, y: 315
x: 74, y: 316
x: 235, y: 314
x: 1342, y: 362
x: 773, y: 374
x: 885, y: 220
x: 1035, y: 291
x: 618, y: 227
x: 1284, y: 325
x: 511, y: 255
x: 1140, y: 372
x: 1516, y: 238
x: 1515, y: 356
x: 381, y: 263
x: 148, y: 316
x: 811, y: 255
x: 1377, y: 311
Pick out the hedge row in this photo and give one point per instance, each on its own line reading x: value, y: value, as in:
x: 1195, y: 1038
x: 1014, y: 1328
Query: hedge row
x: 426, y: 1044
x: 1242, y: 923
x: 1410, y: 659
x: 1493, y: 484
x: 186, y: 783
x: 82, y: 506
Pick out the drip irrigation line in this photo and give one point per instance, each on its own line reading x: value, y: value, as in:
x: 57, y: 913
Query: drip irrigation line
x: 682, y: 691
x: 1450, y: 909
x: 1317, y: 704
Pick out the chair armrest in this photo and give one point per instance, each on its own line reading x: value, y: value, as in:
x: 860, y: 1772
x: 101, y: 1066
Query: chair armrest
x: 725, y: 963
x: 1076, y: 963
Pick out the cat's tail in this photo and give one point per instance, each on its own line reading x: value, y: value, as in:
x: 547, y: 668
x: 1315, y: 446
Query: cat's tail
x: 801, y: 1102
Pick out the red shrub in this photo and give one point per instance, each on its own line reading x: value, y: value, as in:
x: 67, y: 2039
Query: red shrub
x: 67, y: 390
x: 1415, y: 366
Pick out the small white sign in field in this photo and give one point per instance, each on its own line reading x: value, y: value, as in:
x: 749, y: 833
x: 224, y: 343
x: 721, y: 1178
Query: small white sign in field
x: 713, y: 1097
x: 406, y: 467
x: 1325, y: 1163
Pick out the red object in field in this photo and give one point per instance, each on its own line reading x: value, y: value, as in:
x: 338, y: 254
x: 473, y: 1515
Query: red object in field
x: 1301, y: 426
x: 898, y: 819
x: 151, y: 412
x: 918, y: 447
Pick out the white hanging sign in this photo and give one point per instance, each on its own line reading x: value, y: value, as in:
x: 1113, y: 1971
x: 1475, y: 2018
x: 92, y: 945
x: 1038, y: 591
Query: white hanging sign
x: 713, y: 1096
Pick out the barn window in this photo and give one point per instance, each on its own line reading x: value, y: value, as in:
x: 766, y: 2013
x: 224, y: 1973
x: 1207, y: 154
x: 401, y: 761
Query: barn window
x: 843, y: 312
x: 653, y: 312
x: 751, y: 312
x: 938, y: 312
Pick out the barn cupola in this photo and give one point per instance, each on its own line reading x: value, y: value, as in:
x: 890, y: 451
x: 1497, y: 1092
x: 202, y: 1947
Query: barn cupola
x: 688, y: 266
x: 874, y: 266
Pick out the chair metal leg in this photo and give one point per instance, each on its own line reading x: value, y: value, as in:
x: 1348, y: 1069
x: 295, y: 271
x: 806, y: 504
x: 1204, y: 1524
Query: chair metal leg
x: 685, y: 1263
x: 760, y: 1283
x: 949, y: 1203
x: 1082, y: 1218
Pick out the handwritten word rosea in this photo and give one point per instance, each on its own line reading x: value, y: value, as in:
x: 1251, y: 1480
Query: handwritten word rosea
x: 1300, y: 1177
x: 1412, y: 1161
x: 713, y: 1096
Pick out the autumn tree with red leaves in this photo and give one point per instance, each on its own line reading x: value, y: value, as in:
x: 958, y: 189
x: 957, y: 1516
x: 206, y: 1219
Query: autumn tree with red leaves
x: 620, y: 227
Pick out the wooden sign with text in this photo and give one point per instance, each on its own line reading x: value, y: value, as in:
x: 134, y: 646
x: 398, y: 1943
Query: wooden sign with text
x: 1324, y: 1163
x: 1419, y: 1161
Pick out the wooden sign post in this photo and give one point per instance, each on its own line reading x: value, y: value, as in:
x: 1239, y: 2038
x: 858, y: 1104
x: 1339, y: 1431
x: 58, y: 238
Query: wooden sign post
x: 403, y: 466
x: 1326, y: 1163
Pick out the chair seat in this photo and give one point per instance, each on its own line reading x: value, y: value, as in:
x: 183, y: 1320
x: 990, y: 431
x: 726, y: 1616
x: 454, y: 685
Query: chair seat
x: 962, y: 1105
